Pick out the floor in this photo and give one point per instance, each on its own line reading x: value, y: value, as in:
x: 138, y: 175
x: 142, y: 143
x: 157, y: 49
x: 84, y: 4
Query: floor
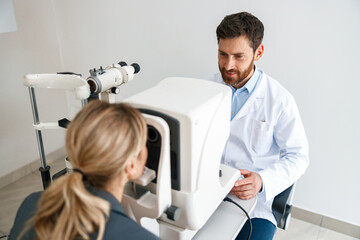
x: 12, y: 195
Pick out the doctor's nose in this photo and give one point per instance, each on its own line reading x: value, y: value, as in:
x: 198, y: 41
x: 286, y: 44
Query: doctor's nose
x: 229, y: 64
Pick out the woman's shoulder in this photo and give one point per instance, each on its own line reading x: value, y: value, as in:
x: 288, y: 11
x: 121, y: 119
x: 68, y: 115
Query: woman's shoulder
x: 118, y: 223
x: 121, y: 225
x: 26, y: 211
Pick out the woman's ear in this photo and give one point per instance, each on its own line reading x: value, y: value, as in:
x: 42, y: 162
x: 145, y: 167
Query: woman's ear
x: 130, y: 169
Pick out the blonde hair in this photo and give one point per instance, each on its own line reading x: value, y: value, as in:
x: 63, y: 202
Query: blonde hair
x: 100, y: 141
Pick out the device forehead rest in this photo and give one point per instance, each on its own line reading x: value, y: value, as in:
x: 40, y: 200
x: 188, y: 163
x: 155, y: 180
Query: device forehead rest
x: 72, y: 83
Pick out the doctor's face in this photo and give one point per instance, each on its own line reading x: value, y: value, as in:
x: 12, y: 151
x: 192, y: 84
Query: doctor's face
x: 236, y: 60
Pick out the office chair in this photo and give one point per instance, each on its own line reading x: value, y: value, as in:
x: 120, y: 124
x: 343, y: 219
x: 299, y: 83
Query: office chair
x: 281, y: 207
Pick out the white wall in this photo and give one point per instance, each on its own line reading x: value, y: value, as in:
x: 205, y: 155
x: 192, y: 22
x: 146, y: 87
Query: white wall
x: 311, y: 47
x: 32, y: 49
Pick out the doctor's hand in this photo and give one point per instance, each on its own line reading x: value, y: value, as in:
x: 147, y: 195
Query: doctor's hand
x: 247, y: 187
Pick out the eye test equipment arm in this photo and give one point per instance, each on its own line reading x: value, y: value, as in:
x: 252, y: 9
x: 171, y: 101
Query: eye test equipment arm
x: 184, y: 183
x: 101, y: 84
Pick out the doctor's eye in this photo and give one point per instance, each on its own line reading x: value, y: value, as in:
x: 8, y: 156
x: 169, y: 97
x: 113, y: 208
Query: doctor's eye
x: 222, y: 54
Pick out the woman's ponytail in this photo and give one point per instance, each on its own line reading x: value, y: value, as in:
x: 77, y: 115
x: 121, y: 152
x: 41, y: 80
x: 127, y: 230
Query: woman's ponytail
x: 67, y: 211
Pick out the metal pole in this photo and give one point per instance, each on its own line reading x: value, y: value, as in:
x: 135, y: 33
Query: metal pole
x: 84, y: 102
x: 44, y: 169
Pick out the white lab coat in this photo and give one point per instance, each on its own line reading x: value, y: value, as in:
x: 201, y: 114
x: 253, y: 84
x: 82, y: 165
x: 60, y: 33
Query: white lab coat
x: 267, y: 136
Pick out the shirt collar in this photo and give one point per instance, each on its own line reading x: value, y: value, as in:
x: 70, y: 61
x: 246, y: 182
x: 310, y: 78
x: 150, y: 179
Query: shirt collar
x: 253, y: 80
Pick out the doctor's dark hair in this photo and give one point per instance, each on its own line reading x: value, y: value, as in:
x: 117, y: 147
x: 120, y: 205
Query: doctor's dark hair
x: 241, y: 24
x: 100, y: 142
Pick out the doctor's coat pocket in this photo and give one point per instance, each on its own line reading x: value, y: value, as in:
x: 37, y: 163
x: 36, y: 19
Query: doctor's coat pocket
x: 261, y: 136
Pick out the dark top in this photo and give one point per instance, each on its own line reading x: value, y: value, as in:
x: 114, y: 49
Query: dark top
x: 118, y: 226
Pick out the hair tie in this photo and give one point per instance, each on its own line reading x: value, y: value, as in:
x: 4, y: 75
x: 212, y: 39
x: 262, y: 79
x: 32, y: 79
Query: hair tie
x: 79, y: 171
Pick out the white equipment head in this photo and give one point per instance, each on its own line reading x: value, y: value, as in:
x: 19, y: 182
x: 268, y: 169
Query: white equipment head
x: 189, y: 123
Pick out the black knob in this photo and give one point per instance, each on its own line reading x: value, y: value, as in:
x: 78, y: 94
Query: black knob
x: 122, y: 63
x: 115, y: 90
x: 63, y: 122
x: 173, y: 213
x: 136, y: 67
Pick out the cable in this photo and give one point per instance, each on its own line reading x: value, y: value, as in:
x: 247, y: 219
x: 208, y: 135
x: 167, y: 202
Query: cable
x: 247, y: 215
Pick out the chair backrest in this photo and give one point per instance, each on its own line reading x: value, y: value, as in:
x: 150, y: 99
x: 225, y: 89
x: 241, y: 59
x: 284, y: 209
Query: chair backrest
x: 281, y: 207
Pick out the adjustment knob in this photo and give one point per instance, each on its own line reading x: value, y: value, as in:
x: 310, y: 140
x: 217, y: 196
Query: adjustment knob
x: 115, y: 90
x: 173, y: 213
x: 122, y: 63
x: 136, y: 67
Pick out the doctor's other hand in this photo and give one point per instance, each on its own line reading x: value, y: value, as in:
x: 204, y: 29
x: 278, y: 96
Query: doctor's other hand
x: 247, y: 187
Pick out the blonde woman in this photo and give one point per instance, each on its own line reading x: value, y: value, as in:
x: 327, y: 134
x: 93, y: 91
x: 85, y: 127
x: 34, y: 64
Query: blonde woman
x: 106, y: 144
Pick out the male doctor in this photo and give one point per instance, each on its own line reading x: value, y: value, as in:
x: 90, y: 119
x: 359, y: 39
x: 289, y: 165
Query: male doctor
x: 267, y: 141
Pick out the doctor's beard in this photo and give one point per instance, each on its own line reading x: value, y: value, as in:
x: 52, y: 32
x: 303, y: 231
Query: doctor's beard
x: 238, y: 79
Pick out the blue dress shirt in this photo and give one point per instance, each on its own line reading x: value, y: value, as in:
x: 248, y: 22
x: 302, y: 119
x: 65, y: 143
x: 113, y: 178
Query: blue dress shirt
x: 241, y: 95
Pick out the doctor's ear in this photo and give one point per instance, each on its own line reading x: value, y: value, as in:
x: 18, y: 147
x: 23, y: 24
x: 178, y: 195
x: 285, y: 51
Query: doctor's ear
x: 259, y: 52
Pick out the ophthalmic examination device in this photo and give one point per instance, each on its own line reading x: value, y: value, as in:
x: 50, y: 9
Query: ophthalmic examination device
x: 184, y: 182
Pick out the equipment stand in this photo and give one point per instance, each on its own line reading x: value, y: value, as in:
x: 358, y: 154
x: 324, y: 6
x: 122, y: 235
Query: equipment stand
x: 44, y: 169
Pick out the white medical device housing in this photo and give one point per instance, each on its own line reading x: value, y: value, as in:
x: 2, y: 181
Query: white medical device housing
x: 196, y: 115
